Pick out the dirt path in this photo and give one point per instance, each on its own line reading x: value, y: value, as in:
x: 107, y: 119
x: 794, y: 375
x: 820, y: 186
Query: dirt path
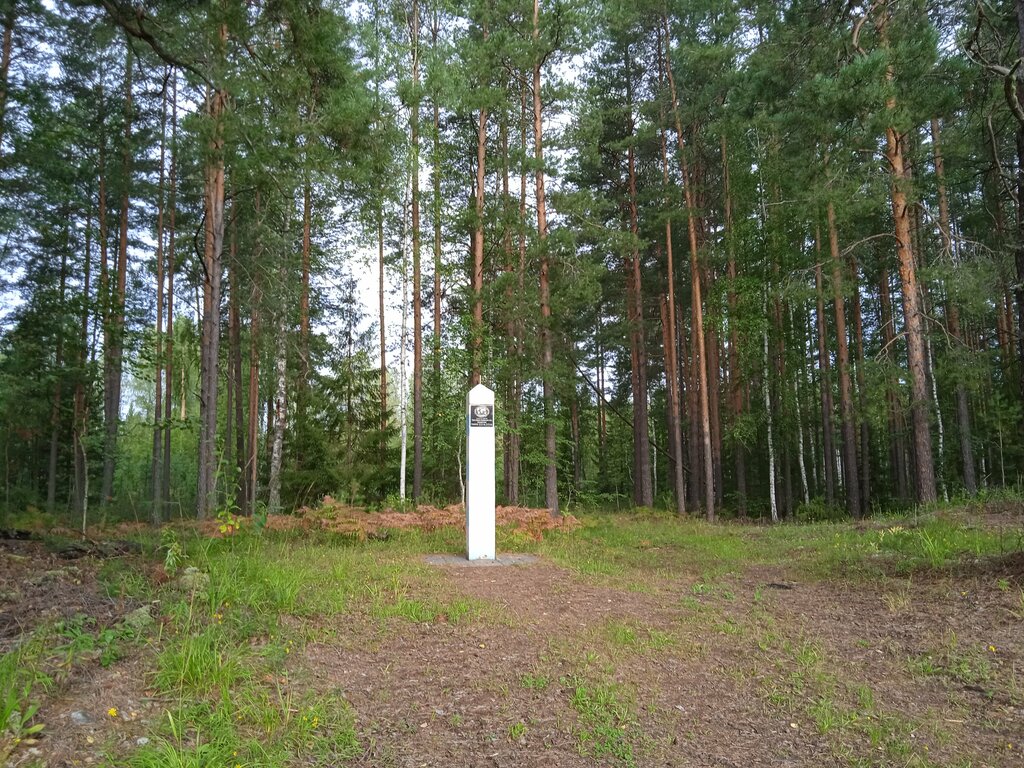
x: 436, y: 694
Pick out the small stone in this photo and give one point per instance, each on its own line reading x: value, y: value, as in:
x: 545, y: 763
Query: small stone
x: 80, y: 718
x: 142, y: 741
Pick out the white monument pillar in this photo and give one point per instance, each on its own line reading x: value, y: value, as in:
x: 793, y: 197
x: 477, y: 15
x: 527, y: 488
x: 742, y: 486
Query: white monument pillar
x: 480, y: 473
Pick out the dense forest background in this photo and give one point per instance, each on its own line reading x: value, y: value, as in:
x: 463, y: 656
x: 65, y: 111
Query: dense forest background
x: 722, y: 256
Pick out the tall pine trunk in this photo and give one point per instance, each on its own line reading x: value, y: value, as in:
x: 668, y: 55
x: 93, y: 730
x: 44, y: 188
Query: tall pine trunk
x: 113, y: 362
x: 55, y: 409
x: 436, y: 211
x: 380, y: 313
x: 700, y: 354
x: 865, y: 430
x: 963, y: 413
x: 236, y: 406
x: 643, y: 492
x: 824, y: 365
x: 156, y: 467
x: 6, y: 50
x: 170, y: 269
x: 924, y: 469
x: 80, y: 417
x: 848, y: 428
x: 253, y: 420
x: 547, y: 358
x: 417, y: 299
x: 897, y: 444
x: 206, y: 496
x: 1019, y: 247
x: 302, y: 382
x: 478, y: 246
x: 735, y: 377
x: 668, y: 319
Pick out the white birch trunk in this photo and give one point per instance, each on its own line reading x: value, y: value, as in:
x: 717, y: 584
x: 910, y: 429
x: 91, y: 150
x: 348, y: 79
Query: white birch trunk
x: 800, y: 425
x: 403, y: 343
x: 938, y: 417
x: 771, y: 445
x: 277, y: 450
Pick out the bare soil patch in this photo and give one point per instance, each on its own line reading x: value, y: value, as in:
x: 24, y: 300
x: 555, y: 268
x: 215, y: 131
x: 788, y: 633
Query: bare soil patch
x: 435, y: 694
x: 39, y: 588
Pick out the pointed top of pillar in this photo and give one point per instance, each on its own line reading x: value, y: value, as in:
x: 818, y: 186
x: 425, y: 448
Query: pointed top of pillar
x: 480, y: 395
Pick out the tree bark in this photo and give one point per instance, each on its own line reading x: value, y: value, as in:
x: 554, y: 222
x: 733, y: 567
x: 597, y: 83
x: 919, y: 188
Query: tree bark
x: 700, y: 356
x: 380, y: 311
x: 279, y: 410
x: 6, y: 49
x: 671, y: 367
x: 714, y: 403
x: 436, y: 179
x: 547, y: 359
x: 114, y: 354
x: 577, y: 443
x: 823, y: 376
x: 417, y: 299
x: 963, y: 413
x: 643, y: 492
x: 849, y: 433
x: 515, y: 407
x: 735, y: 379
x: 206, y: 497
x: 170, y: 269
x: 924, y: 470
x: 897, y: 445
x: 235, y: 368
x: 158, y: 426
x: 80, y: 419
x: 302, y: 383
x: 766, y: 389
x: 253, y: 422
x: 51, y: 475
x: 478, y: 246
x: 688, y: 374
x: 865, y: 430
x: 227, y: 458
x: 899, y: 174
x: 797, y: 398
x: 1019, y: 247
x: 510, y: 440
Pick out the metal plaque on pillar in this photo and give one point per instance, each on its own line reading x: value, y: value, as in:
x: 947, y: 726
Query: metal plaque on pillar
x: 480, y: 475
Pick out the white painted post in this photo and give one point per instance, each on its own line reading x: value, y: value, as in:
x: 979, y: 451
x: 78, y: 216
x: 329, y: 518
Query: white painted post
x: 480, y: 473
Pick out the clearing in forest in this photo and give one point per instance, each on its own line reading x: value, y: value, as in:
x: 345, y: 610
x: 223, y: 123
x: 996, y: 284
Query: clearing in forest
x: 631, y: 641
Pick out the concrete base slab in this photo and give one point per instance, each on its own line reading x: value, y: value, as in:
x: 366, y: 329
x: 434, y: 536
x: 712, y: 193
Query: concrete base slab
x: 460, y: 561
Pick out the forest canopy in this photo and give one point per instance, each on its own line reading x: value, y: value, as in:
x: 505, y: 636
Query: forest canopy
x: 727, y: 257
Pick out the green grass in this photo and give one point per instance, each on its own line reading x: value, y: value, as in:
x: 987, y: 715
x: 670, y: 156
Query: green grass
x: 607, y: 724
x: 635, y: 637
x: 21, y: 678
x: 227, y: 649
x: 638, y: 548
x: 806, y: 682
x: 253, y: 727
x: 535, y: 681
